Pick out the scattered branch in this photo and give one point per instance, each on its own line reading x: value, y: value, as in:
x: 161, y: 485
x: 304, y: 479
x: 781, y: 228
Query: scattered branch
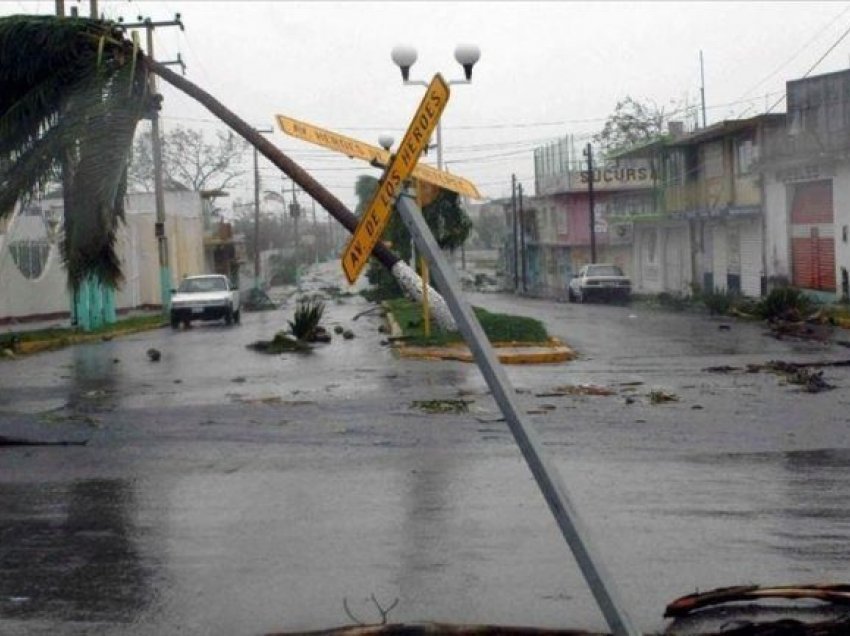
x: 384, y: 612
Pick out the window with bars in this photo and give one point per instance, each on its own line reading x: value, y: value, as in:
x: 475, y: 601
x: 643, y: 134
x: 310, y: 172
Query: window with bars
x: 30, y: 256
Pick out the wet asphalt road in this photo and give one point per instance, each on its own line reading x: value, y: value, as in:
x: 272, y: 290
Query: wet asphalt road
x: 227, y: 492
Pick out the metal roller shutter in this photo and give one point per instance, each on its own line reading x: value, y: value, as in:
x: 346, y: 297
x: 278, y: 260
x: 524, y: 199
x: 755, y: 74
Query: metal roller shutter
x: 751, y: 261
x: 813, y: 236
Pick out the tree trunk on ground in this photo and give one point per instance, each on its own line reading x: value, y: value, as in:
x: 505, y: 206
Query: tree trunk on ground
x: 410, y: 282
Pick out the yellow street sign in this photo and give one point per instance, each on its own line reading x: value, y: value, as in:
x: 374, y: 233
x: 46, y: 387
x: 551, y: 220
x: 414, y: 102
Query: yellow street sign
x: 446, y: 180
x: 332, y: 140
x: 377, y: 215
x: 373, y: 154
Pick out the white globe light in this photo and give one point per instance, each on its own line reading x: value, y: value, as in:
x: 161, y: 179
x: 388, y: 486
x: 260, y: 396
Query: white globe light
x: 467, y: 54
x: 386, y: 141
x: 404, y: 55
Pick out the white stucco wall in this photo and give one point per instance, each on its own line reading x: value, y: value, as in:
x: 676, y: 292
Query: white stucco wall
x: 777, y: 247
x: 841, y: 208
x: 48, y: 294
x: 718, y: 260
x: 21, y: 296
x: 140, y: 260
x: 777, y: 223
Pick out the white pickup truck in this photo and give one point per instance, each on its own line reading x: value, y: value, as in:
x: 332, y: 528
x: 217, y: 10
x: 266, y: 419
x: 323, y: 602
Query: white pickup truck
x: 208, y: 297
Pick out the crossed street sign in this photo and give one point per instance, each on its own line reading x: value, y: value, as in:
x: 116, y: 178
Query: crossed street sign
x: 373, y: 154
x: 377, y: 215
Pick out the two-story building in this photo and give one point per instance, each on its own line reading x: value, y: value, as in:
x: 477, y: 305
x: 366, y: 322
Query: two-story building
x: 708, y: 224
x: 806, y: 170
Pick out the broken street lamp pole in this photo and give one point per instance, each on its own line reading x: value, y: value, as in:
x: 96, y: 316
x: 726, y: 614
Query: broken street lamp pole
x: 554, y: 492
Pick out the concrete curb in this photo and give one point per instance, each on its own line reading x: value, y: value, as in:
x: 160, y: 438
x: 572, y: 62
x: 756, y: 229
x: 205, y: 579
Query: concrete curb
x: 37, y: 346
x: 508, y: 352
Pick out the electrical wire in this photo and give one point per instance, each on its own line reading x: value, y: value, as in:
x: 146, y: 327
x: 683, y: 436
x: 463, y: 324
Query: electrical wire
x: 799, y: 51
x: 815, y: 65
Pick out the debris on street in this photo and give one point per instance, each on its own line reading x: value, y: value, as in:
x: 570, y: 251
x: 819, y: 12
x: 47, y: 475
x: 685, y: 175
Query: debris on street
x: 577, y: 389
x: 798, y: 373
x: 811, y: 381
x: 660, y: 397
x: 282, y: 343
x: 442, y: 406
x: 829, y: 593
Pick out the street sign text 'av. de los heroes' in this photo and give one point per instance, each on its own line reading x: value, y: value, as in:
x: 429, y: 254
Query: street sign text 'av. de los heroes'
x: 374, y: 221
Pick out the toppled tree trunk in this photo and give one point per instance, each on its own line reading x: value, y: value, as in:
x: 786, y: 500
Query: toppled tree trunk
x: 319, y: 193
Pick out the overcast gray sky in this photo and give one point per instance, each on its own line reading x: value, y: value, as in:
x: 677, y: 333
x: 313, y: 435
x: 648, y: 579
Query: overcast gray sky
x: 547, y: 69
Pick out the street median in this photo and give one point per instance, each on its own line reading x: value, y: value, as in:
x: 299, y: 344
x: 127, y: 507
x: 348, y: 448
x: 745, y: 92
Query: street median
x: 551, y: 350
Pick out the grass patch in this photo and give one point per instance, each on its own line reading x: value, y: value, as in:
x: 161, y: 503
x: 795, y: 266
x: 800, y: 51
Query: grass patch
x: 497, y: 327
x: 60, y: 333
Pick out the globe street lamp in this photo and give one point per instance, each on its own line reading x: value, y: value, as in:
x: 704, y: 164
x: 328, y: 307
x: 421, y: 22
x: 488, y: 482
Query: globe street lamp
x: 466, y: 55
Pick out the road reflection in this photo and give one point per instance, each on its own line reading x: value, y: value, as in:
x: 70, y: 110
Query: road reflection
x: 95, y: 378
x: 68, y: 552
x: 814, y: 519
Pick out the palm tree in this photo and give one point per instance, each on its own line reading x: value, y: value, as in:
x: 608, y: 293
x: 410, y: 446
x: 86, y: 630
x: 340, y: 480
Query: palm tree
x: 71, y: 93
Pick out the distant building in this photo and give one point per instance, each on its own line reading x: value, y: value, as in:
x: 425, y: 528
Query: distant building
x: 557, y: 219
x: 705, y: 229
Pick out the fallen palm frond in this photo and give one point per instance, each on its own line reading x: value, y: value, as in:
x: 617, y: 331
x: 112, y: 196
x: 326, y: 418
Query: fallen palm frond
x: 71, y: 96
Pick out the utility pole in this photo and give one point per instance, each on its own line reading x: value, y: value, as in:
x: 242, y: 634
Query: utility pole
x: 294, y: 212
x: 257, y: 211
x: 522, y: 238
x: 588, y: 152
x: 702, y: 88
x: 315, y: 233
x: 156, y: 145
x: 515, y: 220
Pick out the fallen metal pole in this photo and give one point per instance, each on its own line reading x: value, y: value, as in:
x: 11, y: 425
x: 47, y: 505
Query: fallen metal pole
x: 600, y: 582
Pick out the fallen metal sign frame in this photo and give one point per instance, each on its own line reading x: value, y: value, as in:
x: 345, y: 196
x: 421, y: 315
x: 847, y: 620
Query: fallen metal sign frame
x: 554, y: 492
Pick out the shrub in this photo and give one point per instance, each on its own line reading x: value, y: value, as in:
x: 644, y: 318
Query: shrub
x: 719, y: 302
x: 308, y: 314
x: 785, y: 303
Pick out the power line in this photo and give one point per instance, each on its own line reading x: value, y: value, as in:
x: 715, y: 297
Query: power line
x: 820, y: 59
x: 799, y: 51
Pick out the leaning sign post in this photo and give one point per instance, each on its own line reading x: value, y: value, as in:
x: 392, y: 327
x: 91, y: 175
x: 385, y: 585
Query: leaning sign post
x: 367, y: 234
x: 374, y: 221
